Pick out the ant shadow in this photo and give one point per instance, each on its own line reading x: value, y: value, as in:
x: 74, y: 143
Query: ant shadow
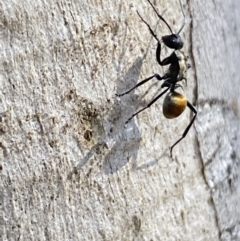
x: 121, y: 142
x: 126, y: 138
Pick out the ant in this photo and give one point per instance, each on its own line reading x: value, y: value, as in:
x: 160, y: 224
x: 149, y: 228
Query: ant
x: 174, y: 103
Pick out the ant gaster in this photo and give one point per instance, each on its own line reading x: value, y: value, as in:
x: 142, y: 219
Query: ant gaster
x: 174, y: 103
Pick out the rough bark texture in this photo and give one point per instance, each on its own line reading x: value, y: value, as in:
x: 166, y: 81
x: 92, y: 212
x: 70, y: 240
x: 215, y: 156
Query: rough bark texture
x: 70, y: 169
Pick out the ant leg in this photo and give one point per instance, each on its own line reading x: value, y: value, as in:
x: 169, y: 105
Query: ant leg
x: 192, y: 108
x: 141, y: 83
x: 150, y: 29
x: 154, y: 100
x: 166, y: 61
x: 158, y: 53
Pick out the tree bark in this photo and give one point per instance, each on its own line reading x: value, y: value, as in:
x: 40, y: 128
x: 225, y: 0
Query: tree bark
x: 70, y: 167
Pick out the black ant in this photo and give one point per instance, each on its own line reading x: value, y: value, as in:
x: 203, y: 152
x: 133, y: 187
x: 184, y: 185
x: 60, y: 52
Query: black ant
x: 174, y: 103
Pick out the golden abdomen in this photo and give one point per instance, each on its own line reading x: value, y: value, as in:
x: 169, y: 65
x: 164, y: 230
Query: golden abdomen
x: 174, y: 104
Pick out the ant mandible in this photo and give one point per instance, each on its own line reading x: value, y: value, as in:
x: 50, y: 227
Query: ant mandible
x: 174, y: 103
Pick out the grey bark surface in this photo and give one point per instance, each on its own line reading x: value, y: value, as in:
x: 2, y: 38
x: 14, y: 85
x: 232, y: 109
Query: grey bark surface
x: 70, y: 169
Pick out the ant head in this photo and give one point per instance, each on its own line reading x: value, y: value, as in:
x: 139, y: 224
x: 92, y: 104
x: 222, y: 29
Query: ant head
x: 173, y: 41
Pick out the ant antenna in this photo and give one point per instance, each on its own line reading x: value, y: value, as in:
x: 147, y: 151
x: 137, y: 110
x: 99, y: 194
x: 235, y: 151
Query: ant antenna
x: 151, y: 31
x: 162, y: 17
x: 184, y: 18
